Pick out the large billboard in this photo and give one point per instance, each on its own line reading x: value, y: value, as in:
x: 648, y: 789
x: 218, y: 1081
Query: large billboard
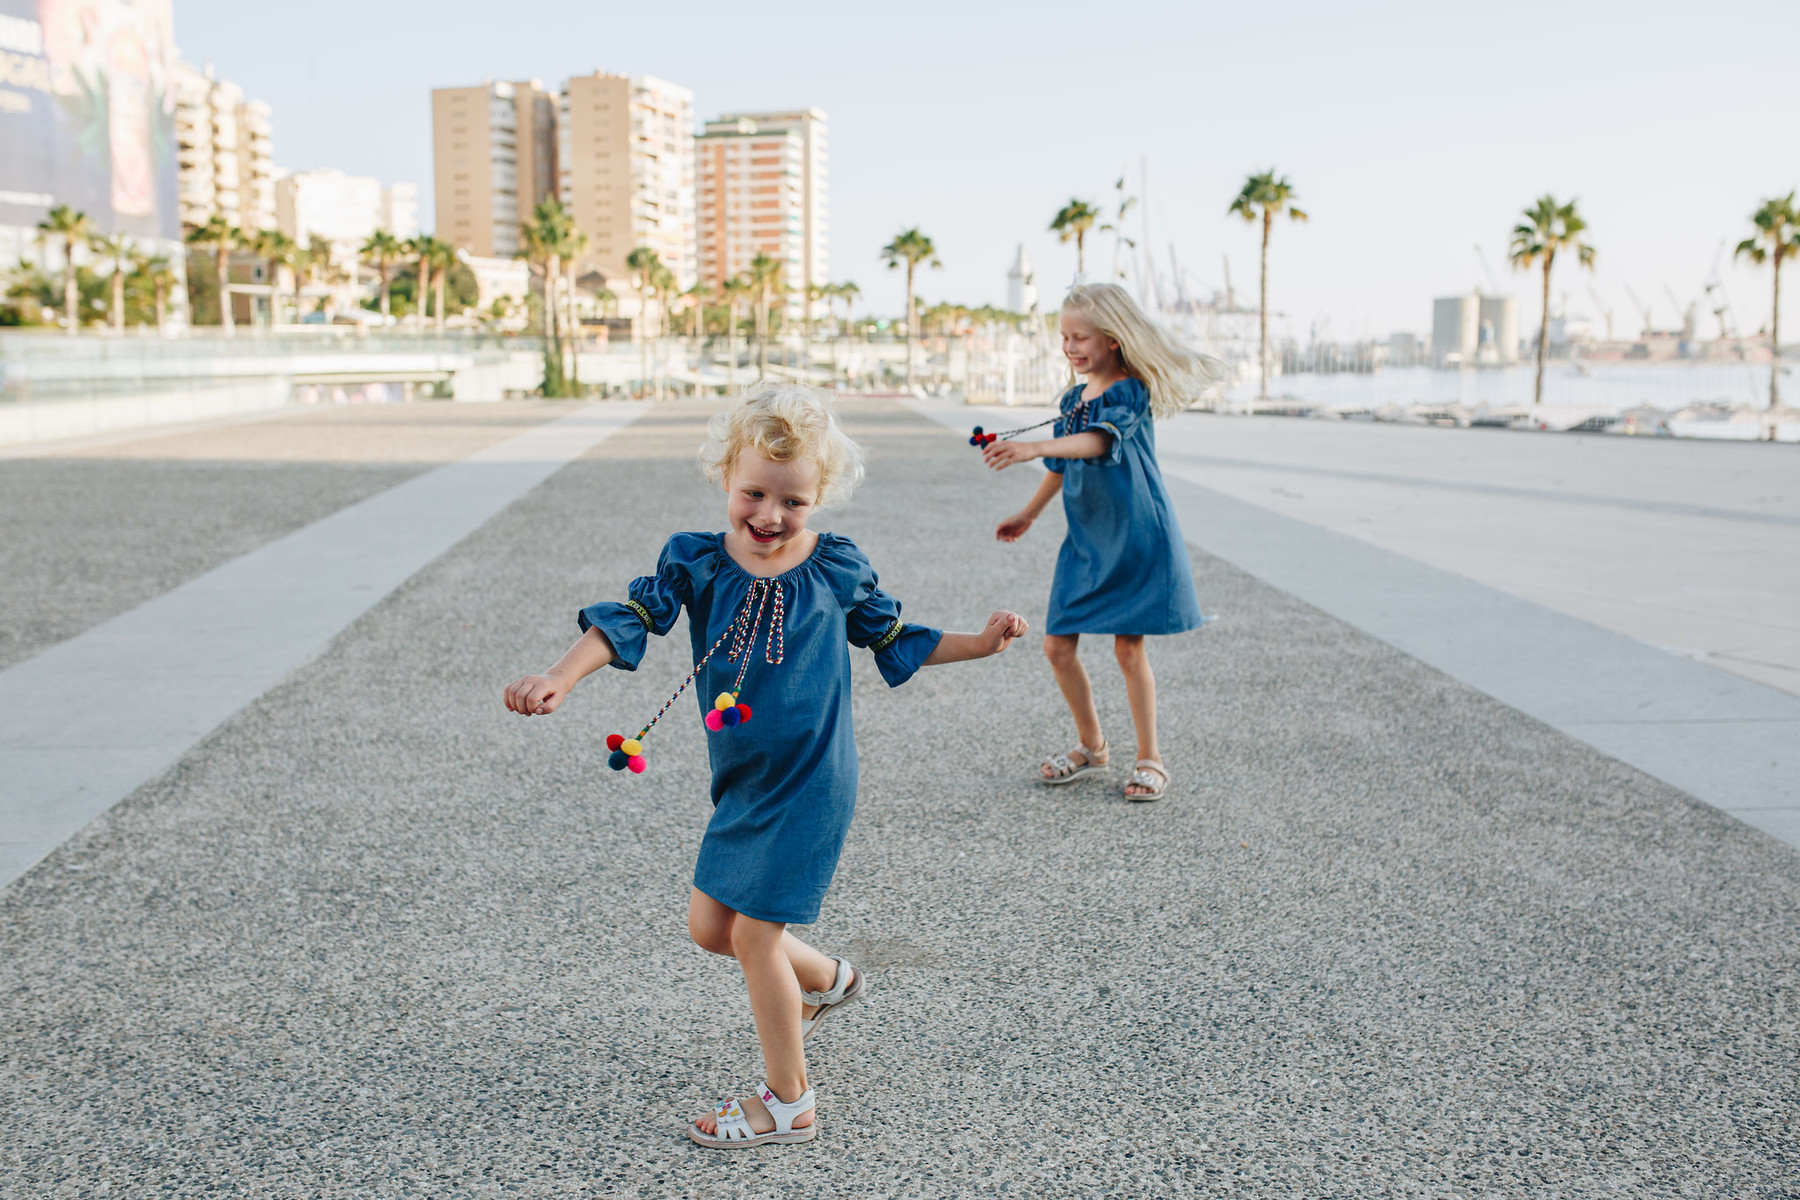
x: 87, y: 113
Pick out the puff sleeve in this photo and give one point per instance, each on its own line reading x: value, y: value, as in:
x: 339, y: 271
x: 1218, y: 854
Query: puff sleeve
x: 1117, y: 412
x: 654, y: 603
x: 872, y: 617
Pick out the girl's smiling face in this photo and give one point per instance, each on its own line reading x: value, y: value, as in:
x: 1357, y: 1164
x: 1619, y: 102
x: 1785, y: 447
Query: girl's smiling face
x: 770, y: 501
x: 1089, y: 351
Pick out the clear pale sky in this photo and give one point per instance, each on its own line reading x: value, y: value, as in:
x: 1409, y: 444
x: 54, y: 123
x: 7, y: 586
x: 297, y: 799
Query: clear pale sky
x: 1411, y: 131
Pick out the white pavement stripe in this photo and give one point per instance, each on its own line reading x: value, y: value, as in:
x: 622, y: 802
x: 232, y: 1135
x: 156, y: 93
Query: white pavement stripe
x: 87, y: 721
x: 1723, y: 739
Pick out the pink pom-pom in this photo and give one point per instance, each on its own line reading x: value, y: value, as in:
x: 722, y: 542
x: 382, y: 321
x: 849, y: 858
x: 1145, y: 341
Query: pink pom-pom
x: 714, y: 721
x: 637, y: 764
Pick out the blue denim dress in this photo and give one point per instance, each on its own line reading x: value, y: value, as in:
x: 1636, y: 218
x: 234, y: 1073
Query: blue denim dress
x: 783, y: 783
x: 1123, y: 567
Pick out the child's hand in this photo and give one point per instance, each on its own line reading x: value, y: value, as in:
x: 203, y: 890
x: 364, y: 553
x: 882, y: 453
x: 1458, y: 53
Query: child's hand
x: 1001, y: 455
x: 1014, y: 527
x: 1001, y: 629
x: 536, y: 695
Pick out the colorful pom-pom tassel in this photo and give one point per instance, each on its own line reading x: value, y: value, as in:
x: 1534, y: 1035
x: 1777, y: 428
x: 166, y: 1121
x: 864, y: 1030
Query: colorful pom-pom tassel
x: 715, y: 720
x: 637, y: 764
x: 730, y: 716
x: 631, y: 746
x: 743, y: 712
x: 617, y: 760
x: 614, y: 740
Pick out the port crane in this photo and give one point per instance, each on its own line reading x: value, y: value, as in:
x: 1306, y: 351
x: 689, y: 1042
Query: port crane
x: 1714, y: 292
x: 1643, y: 310
x: 1690, y: 315
x: 1606, y: 312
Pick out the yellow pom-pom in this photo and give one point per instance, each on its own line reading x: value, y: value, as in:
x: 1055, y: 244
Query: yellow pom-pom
x: 726, y: 700
x: 631, y: 746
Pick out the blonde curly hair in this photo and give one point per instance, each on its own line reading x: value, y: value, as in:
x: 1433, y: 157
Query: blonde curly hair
x: 1175, y: 375
x: 784, y: 422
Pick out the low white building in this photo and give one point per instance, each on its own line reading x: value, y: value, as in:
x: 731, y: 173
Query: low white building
x: 343, y: 209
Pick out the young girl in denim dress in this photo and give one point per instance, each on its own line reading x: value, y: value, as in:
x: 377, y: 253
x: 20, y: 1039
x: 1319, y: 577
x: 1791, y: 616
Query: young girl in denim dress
x: 784, y: 781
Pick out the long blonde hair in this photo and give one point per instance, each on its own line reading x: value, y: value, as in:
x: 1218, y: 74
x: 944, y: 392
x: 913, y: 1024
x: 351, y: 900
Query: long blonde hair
x: 1175, y: 375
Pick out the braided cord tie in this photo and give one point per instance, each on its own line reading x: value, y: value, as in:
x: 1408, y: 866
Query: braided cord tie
x: 742, y: 625
x: 741, y: 633
x: 1071, y: 415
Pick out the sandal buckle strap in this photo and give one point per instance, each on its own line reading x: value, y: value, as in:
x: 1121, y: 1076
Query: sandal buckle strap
x: 845, y: 974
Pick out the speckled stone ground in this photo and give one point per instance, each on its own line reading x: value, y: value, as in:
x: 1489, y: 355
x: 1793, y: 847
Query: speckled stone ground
x: 377, y: 938
x: 89, y: 533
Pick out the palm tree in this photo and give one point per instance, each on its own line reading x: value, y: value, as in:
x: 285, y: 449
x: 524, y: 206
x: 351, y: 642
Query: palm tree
x: 317, y: 265
x: 383, y: 249
x: 911, y: 247
x: 543, y: 239
x: 765, y: 278
x: 1777, y: 223
x: 218, y: 233
x: 159, y: 275
x: 117, y: 249
x: 419, y: 247
x: 666, y: 285
x: 443, y: 259
x: 1548, y: 227
x: 735, y: 289
x: 696, y: 297
x: 643, y: 263
x: 1262, y: 197
x: 848, y: 292
x: 72, y: 227
x: 277, y: 249
x: 1073, y: 221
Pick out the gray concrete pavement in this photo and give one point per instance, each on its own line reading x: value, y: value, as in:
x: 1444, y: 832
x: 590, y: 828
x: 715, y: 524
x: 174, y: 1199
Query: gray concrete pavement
x: 94, y: 529
x: 90, y: 719
x: 1724, y: 738
x: 1690, y: 546
x: 1389, y: 937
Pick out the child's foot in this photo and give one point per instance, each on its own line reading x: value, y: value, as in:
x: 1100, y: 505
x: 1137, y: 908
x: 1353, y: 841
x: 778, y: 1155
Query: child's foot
x: 1066, y: 768
x: 754, y: 1120
x: 1149, y: 781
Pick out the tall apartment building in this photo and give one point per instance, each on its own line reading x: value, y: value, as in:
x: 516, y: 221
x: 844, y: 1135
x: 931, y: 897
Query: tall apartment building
x: 224, y: 152
x: 493, y: 160
x: 626, y: 170
x: 763, y: 190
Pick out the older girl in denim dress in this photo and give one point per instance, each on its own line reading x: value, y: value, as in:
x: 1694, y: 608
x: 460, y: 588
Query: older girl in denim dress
x: 1123, y: 568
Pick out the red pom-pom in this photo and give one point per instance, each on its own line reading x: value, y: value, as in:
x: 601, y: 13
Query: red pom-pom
x: 637, y: 764
x: 743, y: 713
x: 614, y: 740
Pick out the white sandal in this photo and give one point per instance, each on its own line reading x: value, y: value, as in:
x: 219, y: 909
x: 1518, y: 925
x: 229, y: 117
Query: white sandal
x: 734, y: 1127
x: 1067, y: 771
x: 1140, y: 776
x: 847, y: 986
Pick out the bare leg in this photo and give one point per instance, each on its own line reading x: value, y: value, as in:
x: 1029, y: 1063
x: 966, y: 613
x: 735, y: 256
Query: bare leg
x: 766, y: 952
x: 1077, y: 689
x: 710, y: 924
x: 1140, y: 689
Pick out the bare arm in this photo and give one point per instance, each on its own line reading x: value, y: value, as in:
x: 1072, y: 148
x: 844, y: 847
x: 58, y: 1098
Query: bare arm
x: 539, y: 695
x: 1014, y: 527
x: 1001, y: 629
x: 1089, y: 443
